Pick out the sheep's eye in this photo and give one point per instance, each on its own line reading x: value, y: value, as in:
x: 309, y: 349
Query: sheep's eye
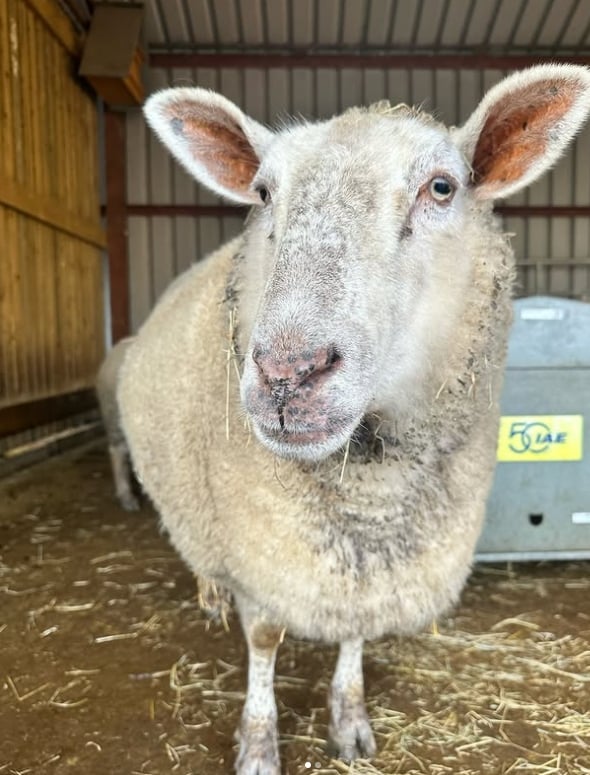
x: 263, y: 193
x: 441, y: 189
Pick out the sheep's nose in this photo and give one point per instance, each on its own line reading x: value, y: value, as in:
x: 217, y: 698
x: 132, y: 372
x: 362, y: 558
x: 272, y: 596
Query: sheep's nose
x: 286, y: 372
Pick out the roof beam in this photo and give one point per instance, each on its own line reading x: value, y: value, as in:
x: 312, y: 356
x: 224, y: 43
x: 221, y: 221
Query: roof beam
x: 361, y: 60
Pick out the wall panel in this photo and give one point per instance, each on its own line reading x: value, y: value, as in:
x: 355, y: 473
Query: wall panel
x: 51, y: 294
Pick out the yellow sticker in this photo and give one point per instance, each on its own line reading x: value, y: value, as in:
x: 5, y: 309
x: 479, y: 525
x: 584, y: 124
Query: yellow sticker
x: 541, y: 438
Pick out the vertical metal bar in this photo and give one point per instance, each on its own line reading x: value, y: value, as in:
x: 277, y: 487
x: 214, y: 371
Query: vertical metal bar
x: 150, y: 223
x: 315, y: 95
x: 572, y: 227
x: 242, y: 87
x: 433, y: 90
x: 116, y: 216
x: 291, y: 44
x: 548, y: 274
x: 457, y: 76
x: 267, y: 117
x: 173, y: 225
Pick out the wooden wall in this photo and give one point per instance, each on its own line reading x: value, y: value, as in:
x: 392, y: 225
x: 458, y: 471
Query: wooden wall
x: 51, y: 238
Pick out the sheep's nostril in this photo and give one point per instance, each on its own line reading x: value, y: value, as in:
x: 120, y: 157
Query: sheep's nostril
x: 286, y: 372
x: 332, y: 357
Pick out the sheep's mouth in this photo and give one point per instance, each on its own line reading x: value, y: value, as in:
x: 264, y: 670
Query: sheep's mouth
x: 308, y: 443
x: 286, y: 436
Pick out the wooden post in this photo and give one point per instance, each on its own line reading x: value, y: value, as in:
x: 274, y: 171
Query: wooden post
x: 117, y: 223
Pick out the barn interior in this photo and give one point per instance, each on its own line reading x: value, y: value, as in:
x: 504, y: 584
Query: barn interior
x: 107, y: 663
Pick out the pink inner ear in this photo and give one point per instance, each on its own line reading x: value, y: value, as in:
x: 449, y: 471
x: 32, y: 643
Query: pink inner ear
x: 516, y: 131
x: 217, y: 142
x: 224, y: 151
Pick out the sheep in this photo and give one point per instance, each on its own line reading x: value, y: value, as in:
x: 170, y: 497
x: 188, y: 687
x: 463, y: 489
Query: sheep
x: 314, y: 407
x: 106, y: 385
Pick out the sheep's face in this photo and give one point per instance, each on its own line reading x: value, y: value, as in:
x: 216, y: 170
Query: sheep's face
x: 359, y: 256
x: 348, y: 259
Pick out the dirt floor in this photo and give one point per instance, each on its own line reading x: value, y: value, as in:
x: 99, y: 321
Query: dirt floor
x: 107, y: 666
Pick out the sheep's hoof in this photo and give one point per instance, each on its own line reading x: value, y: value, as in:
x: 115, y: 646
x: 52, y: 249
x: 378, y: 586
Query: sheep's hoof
x: 129, y: 502
x: 259, y: 750
x: 350, y: 734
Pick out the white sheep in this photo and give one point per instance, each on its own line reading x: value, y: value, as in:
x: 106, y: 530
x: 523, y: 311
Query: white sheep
x: 106, y: 386
x: 314, y: 407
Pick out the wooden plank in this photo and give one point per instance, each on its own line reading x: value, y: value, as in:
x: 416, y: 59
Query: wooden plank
x: 52, y: 48
x: 31, y: 414
x: 86, y: 137
x: 68, y: 171
x: 117, y: 223
x: 47, y: 210
x: 12, y: 314
x: 51, y: 323
x: 58, y: 23
x: 39, y: 267
x: 29, y: 313
x: 45, y: 104
x: 65, y: 300
x: 4, y: 312
x: 85, y: 134
x: 29, y: 115
x: 6, y: 107
x: 91, y: 268
x: 16, y: 89
x: 62, y: 170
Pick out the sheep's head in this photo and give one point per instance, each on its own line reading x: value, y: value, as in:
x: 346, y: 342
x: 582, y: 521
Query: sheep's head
x: 360, y: 248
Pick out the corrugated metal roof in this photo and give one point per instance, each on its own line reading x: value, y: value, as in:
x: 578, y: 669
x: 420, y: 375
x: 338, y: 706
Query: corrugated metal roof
x: 544, y: 27
x: 500, y: 26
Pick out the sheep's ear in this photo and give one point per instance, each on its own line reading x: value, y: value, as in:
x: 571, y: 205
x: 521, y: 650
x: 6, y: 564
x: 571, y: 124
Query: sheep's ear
x: 522, y: 126
x: 217, y: 143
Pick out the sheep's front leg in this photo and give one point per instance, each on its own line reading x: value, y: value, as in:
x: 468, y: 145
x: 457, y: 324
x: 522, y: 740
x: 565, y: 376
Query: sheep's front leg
x: 257, y: 734
x: 123, y: 477
x: 350, y: 732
